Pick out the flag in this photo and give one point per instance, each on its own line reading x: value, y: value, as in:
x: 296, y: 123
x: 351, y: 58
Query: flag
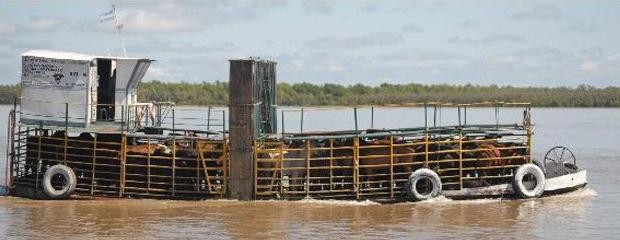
x: 107, y: 16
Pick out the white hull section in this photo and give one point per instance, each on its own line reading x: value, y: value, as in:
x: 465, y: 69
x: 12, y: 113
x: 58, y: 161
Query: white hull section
x: 565, y: 182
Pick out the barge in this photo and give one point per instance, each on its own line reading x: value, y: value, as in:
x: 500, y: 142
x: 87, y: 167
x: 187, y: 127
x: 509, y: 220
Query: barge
x: 79, y: 131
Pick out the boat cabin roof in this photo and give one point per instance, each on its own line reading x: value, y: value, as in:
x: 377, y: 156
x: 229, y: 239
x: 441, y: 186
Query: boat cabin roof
x: 73, y: 56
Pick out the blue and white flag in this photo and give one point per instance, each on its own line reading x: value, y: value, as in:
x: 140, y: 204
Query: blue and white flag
x: 107, y: 16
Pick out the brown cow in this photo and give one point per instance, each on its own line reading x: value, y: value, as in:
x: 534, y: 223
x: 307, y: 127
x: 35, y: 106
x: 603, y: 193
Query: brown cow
x: 148, y: 149
x: 383, y: 158
x: 490, y: 153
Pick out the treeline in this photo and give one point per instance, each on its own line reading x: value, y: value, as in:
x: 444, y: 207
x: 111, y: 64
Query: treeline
x: 8, y: 93
x: 307, y: 94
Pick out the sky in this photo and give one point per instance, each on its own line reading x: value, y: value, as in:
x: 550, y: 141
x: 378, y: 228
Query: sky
x: 519, y: 43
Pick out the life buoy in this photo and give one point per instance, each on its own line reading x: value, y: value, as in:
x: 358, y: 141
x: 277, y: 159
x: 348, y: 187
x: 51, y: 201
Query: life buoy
x: 68, y: 182
x: 529, y: 181
x: 423, y: 184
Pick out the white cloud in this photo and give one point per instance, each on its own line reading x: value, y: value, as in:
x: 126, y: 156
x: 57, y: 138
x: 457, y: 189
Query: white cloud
x: 613, y: 57
x: 469, y: 24
x: 317, y: 6
x: 490, y: 39
x: 7, y: 28
x: 367, y: 40
x: 157, y: 73
x: 539, y: 12
x: 138, y: 20
x: 411, y: 28
x: 423, y: 56
x: 505, y: 59
x: 588, y: 66
x: 44, y: 23
x: 186, y: 16
x: 581, y: 27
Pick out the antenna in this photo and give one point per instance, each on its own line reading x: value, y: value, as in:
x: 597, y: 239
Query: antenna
x: 111, y: 15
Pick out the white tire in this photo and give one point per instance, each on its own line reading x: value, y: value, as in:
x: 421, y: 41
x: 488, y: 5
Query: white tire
x: 529, y: 181
x: 68, y: 185
x: 423, y: 184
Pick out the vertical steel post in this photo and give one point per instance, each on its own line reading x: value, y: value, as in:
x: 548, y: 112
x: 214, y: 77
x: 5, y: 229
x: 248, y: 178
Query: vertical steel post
x: 282, y: 121
x: 301, y: 125
x: 355, y: 118
x: 11, y: 135
x: 123, y: 166
x: 159, y: 114
x: 122, y: 118
x: 308, y: 167
x: 280, y: 166
x: 426, y: 150
x: 148, y: 165
x: 19, y: 150
x: 66, y: 132
x: 173, y: 123
x: 529, y: 134
x: 331, y: 164
x: 356, y: 167
x: 93, y: 168
x: 461, y: 159
x: 391, y: 166
x: 458, y: 107
x: 372, y: 116
x: 425, y: 116
x: 224, y: 121
x: 38, y: 161
x: 66, y: 117
x: 174, y: 145
x: 174, y: 164
x: 147, y: 116
x: 435, y: 116
x: 208, y: 117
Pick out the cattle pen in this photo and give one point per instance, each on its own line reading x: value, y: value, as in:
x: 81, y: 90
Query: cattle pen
x: 124, y: 148
x: 377, y: 163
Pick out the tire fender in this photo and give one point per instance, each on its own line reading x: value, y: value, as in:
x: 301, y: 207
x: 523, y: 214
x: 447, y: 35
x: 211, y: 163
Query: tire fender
x: 520, y: 186
x: 425, y: 174
x: 68, y: 186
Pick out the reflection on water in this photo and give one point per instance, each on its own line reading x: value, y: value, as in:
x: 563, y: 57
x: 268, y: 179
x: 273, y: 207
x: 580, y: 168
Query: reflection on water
x: 586, y: 213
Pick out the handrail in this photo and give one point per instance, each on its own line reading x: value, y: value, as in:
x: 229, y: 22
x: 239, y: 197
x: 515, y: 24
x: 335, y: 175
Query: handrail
x: 130, y: 117
x: 435, y: 107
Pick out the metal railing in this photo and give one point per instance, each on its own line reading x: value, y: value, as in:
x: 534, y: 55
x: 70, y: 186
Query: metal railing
x: 124, y: 117
x: 368, y: 167
x: 376, y: 163
x: 180, y: 167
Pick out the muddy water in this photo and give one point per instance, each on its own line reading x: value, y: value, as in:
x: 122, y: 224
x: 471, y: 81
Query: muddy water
x: 590, y: 213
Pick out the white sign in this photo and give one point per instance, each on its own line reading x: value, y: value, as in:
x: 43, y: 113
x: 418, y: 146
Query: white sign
x: 54, y: 73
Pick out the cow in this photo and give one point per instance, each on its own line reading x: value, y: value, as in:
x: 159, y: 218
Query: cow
x: 374, y: 162
x: 148, y: 149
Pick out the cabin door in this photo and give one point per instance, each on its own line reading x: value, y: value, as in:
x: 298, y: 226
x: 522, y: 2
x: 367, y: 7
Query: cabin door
x: 105, y: 90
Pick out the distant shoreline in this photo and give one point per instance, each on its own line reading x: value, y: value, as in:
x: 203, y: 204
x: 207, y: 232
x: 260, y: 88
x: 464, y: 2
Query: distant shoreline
x: 384, y: 95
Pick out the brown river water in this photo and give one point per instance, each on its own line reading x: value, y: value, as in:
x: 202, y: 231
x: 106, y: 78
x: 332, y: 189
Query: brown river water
x: 593, y: 212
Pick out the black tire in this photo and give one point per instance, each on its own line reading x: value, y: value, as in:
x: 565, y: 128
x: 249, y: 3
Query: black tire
x: 423, y: 184
x: 540, y: 165
x: 68, y: 185
x: 518, y: 183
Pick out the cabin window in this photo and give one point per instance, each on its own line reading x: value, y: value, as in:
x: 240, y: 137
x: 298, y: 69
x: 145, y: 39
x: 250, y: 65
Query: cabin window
x: 105, y: 90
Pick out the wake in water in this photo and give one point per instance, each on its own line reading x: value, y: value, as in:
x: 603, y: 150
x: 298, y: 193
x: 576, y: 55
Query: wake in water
x: 579, y: 193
